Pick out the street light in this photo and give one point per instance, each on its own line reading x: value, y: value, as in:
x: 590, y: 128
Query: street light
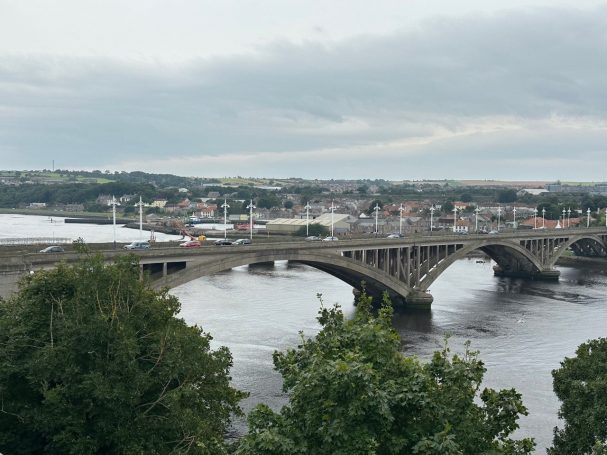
x: 564, y: 224
x: 499, y: 215
x: 454, y: 219
x: 251, y: 207
x: 514, y: 217
x: 113, y: 203
x: 140, y: 204
x: 307, y: 207
x: 400, y: 219
x: 588, y: 217
x: 332, y: 211
x: 225, y: 208
x: 535, y: 218
x: 476, y: 210
x: 543, y: 217
x: 376, y: 208
x: 432, y: 209
x: 569, y: 217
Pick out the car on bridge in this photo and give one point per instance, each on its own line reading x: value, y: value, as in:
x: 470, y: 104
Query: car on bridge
x: 137, y: 246
x: 395, y: 235
x: 223, y: 242
x: 190, y: 244
x: 330, y: 239
x: 313, y: 238
x: 53, y: 249
x: 242, y: 242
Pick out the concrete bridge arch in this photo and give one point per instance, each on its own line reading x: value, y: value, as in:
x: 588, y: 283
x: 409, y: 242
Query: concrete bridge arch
x: 348, y: 270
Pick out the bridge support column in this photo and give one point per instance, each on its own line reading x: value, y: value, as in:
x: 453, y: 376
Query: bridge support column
x: 419, y: 299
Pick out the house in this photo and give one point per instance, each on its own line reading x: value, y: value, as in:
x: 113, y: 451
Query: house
x: 159, y: 203
x: 462, y: 226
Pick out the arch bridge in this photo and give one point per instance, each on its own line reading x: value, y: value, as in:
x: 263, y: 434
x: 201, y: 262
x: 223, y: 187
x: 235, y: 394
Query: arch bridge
x: 404, y: 267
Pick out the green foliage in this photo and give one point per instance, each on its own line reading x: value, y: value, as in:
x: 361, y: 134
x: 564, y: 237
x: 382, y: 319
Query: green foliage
x: 581, y: 385
x: 505, y: 196
x: 466, y: 197
x: 93, y: 361
x: 268, y: 201
x: 375, y: 202
x: 288, y: 204
x: 447, y: 207
x: 352, y: 391
x: 313, y: 229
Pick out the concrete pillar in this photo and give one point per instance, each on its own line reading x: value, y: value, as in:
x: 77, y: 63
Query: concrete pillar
x: 164, y: 269
x: 419, y: 300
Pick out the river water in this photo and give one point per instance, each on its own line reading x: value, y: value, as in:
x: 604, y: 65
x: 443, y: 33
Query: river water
x: 523, y: 329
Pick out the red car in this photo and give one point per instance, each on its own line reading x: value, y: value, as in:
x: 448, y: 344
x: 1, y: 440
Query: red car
x: 190, y: 244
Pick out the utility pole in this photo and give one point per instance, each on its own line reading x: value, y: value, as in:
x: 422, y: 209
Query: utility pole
x: 251, y: 207
x: 225, y: 208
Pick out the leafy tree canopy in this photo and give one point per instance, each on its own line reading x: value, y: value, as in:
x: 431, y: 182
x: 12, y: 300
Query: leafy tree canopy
x: 313, y: 229
x: 352, y: 391
x: 581, y: 385
x: 93, y: 361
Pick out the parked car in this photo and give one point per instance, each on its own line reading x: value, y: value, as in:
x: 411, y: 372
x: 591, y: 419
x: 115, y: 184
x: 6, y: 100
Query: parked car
x: 242, y: 242
x: 137, y: 246
x: 313, y: 238
x: 330, y: 239
x: 223, y: 242
x: 53, y: 249
x: 190, y: 244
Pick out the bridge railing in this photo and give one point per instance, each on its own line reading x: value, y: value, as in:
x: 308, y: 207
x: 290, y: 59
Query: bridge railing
x: 34, y: 241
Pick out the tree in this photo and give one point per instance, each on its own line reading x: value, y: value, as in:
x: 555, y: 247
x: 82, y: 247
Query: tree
x: 373, y: 204
x: 288, y: 204
x: 581, y: 385
x: 352, y: 391
x: 505, y: 196
x: 313, y: 229
x: 93, y: 361
x: 466, y: 197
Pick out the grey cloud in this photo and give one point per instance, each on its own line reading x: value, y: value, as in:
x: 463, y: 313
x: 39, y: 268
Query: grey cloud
x: 443, y: 76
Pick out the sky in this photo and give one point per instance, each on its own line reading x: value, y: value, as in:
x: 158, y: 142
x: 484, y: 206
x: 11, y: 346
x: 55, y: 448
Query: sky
x: 392, y: 89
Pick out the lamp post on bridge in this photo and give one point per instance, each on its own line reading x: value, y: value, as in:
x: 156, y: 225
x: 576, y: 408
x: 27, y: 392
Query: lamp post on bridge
x: 251, y: 207
x: 499, y: 215
x: 225, y: 208
x: 543, y: 217
x: 332, y: 211
x: 569, y: 217
x: 476, y: 210
x: 514, y: 217
x: 376, y: 208
x: 432, y: 209
x: 140, y: 204
x: 307, y: 207
x: 588, y: 218
x: 454, y: 219
x: 400, y: 219
x: 535, y: 218
x: 113, y: 203
x: 564, y: 218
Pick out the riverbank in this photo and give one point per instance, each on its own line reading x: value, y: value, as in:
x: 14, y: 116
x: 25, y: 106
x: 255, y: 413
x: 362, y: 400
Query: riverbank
x: 59, y: 213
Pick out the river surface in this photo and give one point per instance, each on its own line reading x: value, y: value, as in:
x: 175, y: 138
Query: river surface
x: 523, y: 329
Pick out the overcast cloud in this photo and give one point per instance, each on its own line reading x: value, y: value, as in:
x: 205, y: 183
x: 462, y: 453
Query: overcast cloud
x: 511, y: 94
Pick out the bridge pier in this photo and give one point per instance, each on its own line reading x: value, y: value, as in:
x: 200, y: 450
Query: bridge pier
x: 419, y: 300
